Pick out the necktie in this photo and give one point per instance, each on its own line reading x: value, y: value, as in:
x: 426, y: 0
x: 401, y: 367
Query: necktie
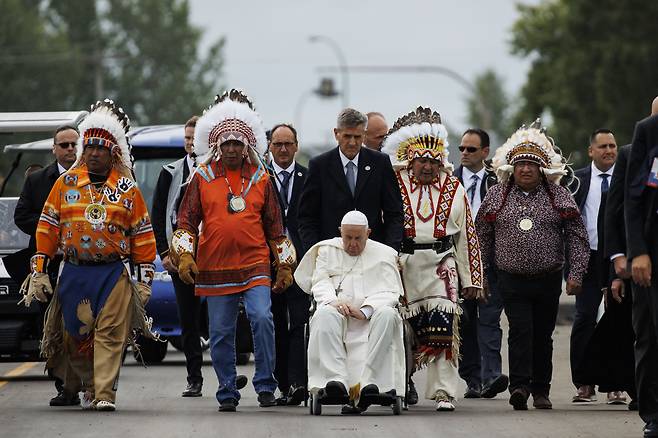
x: 351, y: 176
x: 472, y: 187
x: 284, y: 179
x: 604, y: 183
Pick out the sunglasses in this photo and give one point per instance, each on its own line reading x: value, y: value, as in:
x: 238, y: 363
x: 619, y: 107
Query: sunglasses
x: 66, y: 145
x: 470, y: 149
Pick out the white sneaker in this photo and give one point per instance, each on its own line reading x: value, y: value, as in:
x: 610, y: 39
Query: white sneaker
x: 86, y: 401
x: 104, y: 405
x: 444, y: 406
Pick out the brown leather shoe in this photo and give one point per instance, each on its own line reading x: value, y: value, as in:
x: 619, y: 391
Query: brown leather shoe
x: 541, y: 401
x: 585, y: 394
x: 616, y: 398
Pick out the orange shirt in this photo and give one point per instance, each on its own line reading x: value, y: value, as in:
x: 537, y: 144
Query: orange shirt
x: 123, y: 231
x: 233, y: 253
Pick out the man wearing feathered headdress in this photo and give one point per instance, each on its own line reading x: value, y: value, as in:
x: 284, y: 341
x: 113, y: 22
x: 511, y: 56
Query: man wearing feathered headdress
x: 227, y: 257
x: 96, y: 216
x: 527, y: 225
x: 440, y: 253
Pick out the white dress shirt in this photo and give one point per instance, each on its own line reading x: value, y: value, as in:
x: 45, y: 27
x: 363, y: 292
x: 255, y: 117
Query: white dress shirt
x: 477, y: 200
x: 60, y: 168
x: 291, y: 170
x: 593, y: 203
x: 190, y: 163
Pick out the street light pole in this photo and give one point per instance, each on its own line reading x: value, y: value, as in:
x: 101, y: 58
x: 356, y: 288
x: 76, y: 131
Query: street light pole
x: 342, y: 64
x: 436, y: 69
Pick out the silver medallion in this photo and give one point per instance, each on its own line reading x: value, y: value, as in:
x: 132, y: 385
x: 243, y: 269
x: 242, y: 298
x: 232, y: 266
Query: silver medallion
x: 237, y: 204
x: 526, y: 224
x: 95, y: 214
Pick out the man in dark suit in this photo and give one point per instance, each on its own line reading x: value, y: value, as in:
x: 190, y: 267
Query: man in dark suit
x: 641, y: 216
x: 594, y: 181
x: 290, y: 308
x: 35, y: 191
x: 481, y: 335
x: 350, y: 177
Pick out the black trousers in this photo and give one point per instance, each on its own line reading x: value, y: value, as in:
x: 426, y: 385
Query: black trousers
x: 587, y: 307
x: 290, y: 311
x: 191, y: 317
x: 531, y: 305
x: 470, y: 368
x: 645, y: 325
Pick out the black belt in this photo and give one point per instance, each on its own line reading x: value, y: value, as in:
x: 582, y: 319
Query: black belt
x: 441, y: 245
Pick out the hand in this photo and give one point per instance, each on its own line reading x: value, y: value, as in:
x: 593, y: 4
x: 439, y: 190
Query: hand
x: 187, y: 268
x: 342, y: 307
x: 168, y: 264
x: 143, y: 291
x: 617, y: 289
x: 283, y: 278
x: 469, y: 293
x: 621, y: 264
x: 356, y: 313
x: 641, y: 269
x: 573, y: 288
x: 36, y: 286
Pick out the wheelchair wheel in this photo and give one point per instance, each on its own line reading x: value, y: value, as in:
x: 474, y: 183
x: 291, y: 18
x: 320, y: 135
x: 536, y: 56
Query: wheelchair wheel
x: 397, y: 406
x: 315, y: 406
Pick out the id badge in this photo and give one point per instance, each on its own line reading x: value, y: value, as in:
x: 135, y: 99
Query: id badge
x: 652, y: 181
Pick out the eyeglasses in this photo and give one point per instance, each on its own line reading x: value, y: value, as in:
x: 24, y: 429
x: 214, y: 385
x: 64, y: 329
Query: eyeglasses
x: 279, y: 145
x: 470, y: 149
x: 65, y: 145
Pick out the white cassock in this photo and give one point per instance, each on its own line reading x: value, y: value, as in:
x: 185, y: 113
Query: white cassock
x: 351, y: 351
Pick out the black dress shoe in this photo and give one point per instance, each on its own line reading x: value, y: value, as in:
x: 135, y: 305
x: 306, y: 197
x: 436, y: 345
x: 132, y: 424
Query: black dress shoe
x: 282, y: 401
x: 350, y: 410
x: 266, y: 399
x: 192, y: 390
x: 241, y: 381
x: 519, y: 399
x: 412, y: 394
x: 296, y: 395
x: 495, y: 387
x: 369, y: 395
x: 228, y: 405
x: 472, y: 392
x: 65, y: 399
x: 651, y: 429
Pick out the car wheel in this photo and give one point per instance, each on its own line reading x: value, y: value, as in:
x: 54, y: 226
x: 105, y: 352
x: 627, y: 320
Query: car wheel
x: 151, y: 351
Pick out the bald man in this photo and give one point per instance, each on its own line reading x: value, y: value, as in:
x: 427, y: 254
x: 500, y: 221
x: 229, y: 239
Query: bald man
x: 355, y: 339
x: 641, y: 215
x: 375, y: 131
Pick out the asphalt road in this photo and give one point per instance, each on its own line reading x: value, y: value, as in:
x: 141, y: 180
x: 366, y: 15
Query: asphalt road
x: 149, y: 405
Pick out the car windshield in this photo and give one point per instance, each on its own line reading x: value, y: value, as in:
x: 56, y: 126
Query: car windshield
x: 147, y: 171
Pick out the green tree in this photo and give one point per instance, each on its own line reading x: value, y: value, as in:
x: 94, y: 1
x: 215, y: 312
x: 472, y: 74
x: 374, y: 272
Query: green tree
x: 594, y: 64
x: 488, y: 106
x: 65, y: 54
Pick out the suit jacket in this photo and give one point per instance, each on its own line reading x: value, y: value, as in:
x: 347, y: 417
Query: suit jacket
x: 640, y: 203
x: 614, y: 241
x: 584, y: 175
x: 159, y: 208
x: 35, y: 191
x: 489, y: 180
x: 290, y: 218
x: 326, y: 198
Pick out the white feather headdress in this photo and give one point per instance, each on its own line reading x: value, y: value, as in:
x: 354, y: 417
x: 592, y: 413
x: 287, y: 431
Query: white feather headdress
x: 106, y: 125
x: 530, y: 144
x: 417, y: 134
x: 231, y: 117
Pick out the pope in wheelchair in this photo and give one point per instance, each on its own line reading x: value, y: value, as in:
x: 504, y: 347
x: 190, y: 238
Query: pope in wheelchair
x: 355, y: 349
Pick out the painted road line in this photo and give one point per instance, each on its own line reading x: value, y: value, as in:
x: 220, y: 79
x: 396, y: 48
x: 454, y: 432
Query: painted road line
x: 21, y: 369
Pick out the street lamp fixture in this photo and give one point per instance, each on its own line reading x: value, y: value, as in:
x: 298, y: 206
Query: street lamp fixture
x: 342, y: 63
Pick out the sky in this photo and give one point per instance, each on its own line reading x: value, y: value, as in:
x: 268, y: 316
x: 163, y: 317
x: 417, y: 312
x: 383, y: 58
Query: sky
x: 268, y: 53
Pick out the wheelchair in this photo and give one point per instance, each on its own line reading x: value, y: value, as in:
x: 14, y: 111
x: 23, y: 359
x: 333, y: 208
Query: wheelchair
x: 397, y: 403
